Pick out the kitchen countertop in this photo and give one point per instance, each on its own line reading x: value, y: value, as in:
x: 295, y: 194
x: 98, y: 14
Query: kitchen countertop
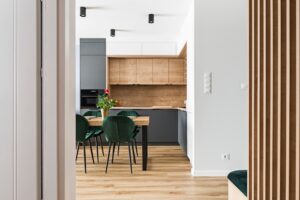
x: 150, y: 108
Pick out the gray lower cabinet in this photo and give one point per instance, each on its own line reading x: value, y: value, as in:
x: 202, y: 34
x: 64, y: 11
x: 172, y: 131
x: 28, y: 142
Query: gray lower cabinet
x: 163, y: 128
x: 182, y: 130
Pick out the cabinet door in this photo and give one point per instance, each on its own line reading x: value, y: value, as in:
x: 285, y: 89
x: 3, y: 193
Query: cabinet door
x: 92, y: 72
x: 127, y: 71
x: 160, y: 71
x: 176, y: 71
x: 144, y: 71
x: 114, y: 71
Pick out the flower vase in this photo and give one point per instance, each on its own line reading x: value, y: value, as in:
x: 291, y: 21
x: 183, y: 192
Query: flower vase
x: 104, y: 113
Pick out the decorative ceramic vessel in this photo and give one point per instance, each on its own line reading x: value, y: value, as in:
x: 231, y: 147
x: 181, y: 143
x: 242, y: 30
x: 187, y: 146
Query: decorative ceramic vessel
x: 104, y: 113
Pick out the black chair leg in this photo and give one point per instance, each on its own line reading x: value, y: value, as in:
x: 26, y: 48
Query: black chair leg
x: 133, y: 153
x: 97, y: 149
x: 109, y: 148
x: 91, y: 151
x: 101, y: 143
x: 136, y: 147
x: 78, y: 145
x: 129, y: 152
x: 84, y: 157
x: 118, y: 148
x: 113, y: 153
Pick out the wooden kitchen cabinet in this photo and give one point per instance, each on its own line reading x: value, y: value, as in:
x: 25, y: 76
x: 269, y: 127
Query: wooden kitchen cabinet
x: 147, y: 71
x: 144, y: 71
x: 127, y: 71
x: 114, y: 71
x: 160, y: 71
x: 177, y: 71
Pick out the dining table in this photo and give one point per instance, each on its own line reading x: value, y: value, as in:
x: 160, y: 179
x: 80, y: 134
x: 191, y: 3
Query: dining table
x: 141, y: 121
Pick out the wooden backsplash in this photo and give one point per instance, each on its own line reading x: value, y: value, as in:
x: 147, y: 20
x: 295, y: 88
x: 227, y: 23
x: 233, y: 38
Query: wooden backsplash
x: 143, y: 95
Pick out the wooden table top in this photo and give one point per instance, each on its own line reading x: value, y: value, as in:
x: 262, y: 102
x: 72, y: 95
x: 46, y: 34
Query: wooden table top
x: 138, y: 121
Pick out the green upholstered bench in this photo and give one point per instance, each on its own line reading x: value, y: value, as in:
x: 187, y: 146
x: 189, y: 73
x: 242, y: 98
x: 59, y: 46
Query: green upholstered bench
x: 237, y: 185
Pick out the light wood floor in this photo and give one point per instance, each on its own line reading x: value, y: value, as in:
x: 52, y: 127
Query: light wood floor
x: 168, y: 178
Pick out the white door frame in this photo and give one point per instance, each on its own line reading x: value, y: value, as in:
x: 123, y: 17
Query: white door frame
x: 59, y: 100
x: 20, y: 99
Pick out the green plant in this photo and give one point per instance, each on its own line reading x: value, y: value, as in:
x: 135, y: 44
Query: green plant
x: 104, y: 102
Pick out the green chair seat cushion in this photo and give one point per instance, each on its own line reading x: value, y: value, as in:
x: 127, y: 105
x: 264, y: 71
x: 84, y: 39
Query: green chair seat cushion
x: 89, y: 135
x: 97, y: 130
x: 239, y: 179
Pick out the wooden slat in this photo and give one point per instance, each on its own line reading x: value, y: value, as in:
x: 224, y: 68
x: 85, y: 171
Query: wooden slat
x: 258, y: 174
x: 283, y: 101
x: 293, y: 100
x: 279, y: 100
x: 287, y: 104
x: 264, y: 99
x: 267, y: 74
x: 261, y: 100
x: 251, y: 82
x: 255, y: 100
x: 297, y: 186
x: 272, y: 83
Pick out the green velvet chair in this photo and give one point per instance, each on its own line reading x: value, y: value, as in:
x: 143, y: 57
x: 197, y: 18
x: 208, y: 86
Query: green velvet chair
x: 132, y: 113
x: 97, y: 131
x: 119, y: 129
x: 83, y: 135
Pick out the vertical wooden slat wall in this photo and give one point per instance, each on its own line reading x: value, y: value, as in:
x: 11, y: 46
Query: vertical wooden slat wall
x: 274, y: 100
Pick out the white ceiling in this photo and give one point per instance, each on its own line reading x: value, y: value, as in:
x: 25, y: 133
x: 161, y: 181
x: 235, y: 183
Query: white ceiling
x: 130, y: 19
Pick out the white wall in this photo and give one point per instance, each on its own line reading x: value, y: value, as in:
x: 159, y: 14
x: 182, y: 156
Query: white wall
x: 19, y: 86
x: 221, y: 47
x: 187, y: 37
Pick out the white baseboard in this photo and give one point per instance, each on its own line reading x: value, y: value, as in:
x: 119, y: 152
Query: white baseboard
x: 210, y: 172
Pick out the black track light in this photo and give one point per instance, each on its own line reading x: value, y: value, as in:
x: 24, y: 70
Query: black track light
x: 151, y: 18
x: 112, y: 32
x: 82, y: 11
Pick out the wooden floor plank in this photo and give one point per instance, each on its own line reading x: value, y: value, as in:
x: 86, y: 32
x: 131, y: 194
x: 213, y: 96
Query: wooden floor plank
x: 168, y: 177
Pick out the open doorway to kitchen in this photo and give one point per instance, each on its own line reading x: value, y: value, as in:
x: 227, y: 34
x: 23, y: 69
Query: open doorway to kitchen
x: 131, y: 101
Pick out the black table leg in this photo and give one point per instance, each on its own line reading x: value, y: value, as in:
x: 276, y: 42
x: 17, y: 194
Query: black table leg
x: 145, y: 146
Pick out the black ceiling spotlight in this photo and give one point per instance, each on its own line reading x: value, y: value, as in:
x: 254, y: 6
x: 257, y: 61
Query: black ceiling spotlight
x: 112, y: 32
x: 151, y: 18
x: 82, y: 11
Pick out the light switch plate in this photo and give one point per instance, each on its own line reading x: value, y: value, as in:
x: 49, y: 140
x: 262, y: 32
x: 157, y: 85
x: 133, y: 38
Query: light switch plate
x: 207, y: 83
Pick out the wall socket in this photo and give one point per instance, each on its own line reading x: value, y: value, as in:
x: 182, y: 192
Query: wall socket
x: 225, y: 156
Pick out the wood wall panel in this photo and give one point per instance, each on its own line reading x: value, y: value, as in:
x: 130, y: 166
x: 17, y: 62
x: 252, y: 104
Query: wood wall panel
x: 274, y: 141
x: 147, y: 96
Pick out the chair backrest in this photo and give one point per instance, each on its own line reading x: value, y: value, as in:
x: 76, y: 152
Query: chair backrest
x: 96, y: 113
x: 128, y: 113
x: 82, y: 127
x: 118, y: 128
